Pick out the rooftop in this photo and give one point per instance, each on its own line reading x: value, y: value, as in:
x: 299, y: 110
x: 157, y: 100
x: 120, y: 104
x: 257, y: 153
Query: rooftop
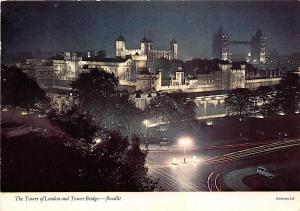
x: 104, y: 59
x: 120, y: 38
x: 173, y: 42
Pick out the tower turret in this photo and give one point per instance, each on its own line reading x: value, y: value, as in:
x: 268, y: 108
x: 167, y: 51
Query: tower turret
x: 174, y: 48
x: 120, y: 46
x: 258, y: 48
x: 145, y: 45
x: 220, y: 45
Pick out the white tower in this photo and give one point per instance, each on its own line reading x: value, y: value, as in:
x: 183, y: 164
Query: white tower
x: 158, y: 79
x: 145, y: 46
x: 174, y: 48
x: 180, y: 76
x: 120, y: 46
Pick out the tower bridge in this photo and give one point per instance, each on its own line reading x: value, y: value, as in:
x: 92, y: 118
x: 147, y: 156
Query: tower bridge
x: 240, y: 42
x: 222, y: 42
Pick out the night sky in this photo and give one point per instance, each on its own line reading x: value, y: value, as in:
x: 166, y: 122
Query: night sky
x: 59, y: 26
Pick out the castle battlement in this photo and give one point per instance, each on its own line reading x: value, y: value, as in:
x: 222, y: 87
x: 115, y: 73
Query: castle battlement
x: 146, y: 50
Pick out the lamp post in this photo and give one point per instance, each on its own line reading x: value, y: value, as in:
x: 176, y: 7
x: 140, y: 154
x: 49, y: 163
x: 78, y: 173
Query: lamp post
x: 185, y: 141
x: 146, y: 122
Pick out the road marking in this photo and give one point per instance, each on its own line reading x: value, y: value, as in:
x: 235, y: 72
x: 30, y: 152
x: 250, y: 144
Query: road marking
x: 169, y: 179
x: 216, y: 178
x: 208, y: 181
x: 173, y: 179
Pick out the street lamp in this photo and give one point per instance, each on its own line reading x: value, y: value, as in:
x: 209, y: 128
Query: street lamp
x: 97, y: 140
x: 185, y: 141
x: 146, y: 122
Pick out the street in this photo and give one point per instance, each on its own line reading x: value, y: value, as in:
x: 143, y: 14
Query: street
x: 205, y: 169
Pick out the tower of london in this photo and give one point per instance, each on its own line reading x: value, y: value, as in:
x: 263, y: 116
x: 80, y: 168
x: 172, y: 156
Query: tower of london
x: 146, y: 50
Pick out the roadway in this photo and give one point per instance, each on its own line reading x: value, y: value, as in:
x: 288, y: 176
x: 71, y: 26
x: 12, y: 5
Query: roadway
x: 33, y: 120
x: 206, y: 167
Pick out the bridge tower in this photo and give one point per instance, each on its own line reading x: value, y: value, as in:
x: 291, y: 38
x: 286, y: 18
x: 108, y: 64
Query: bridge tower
x: 220, y: 45
x: 258, y: 48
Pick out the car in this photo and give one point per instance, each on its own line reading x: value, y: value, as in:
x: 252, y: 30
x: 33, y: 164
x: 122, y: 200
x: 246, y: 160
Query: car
x: 264, y: 172
x: 42, y: 115
x: 4, y: 109
x: 24, y: 113
x: 164, y: 142
x: 209, y: 123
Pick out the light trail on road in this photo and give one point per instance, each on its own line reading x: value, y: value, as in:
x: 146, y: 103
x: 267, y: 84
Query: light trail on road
x: 212, y: 182
x: 213, y: 147
x: 216, y: 180
x: 174, y: 183
x: 209, y: 181
x: 252, y: 152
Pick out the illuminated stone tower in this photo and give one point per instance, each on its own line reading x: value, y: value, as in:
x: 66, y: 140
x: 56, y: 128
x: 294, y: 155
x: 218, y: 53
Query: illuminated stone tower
x: 258, y: 48
x: 120, y: 46
x: 174, y: 48
x: 220, y: 45
x: 146, y: 46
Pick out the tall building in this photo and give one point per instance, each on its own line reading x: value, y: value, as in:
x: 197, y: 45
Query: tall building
x: 220, y: 45
x: 258, y: 48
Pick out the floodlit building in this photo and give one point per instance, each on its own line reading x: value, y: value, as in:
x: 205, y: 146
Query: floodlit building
x: 208, y: 91
x: 207, y: 88
x: 147, y: 52
x: 230, y: 77
x: 69, y: 65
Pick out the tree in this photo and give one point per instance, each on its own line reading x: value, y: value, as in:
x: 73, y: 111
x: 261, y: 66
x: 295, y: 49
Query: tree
x: 264, y: 100
x: 94, y: 87
x: 170, y: 109
x: 287, y: 97
x: 187, y: 108
x: 127, y: 115
x: 239, y: 102
x: 162, y: 107
x: 124, y: 162
x: 78, y: 126
x: 19, y: 90
x: 100, y: 100
x: 35, y: 163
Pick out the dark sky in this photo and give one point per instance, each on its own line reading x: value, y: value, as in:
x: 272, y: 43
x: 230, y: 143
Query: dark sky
x: 58, y: 26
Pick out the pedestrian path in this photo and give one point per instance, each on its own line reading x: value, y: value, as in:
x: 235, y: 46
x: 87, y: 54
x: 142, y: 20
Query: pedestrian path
x: 234, y: 179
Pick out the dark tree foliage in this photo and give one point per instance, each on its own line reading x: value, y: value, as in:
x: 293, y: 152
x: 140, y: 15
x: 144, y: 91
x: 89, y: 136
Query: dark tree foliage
x: 35, y: 163
x: 264, y: 100
x: 125, y: 163
x: 18, y: 90
x: 187, y: 108
x: 77, y: 126
x: 240, y: 102
x: 93, y: 85
x: 287, y: 96
x: 171, y: 109
x: 123, y: 116
x: 110, y: 109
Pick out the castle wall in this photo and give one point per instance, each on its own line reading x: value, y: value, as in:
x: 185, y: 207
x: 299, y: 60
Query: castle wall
x: 146, y: 50
x: 255, y: 83
x: 145, y: 82
x: 210, y: 106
